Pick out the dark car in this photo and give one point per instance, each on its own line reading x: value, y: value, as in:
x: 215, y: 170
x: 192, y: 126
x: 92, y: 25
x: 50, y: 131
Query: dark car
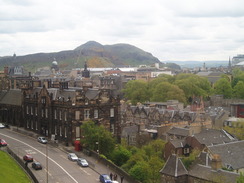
x: 28, y: 158
x: 104, y: 178
x: 3, y: 143
x: 36, y: 165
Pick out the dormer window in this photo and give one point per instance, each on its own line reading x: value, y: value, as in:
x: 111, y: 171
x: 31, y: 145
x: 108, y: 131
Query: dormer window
x: 43, y: 100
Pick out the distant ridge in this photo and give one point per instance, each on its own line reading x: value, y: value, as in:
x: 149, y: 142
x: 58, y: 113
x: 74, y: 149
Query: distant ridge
x: 92, y: 52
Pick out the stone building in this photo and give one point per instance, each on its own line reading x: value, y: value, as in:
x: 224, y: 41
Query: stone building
x: 57, y: 111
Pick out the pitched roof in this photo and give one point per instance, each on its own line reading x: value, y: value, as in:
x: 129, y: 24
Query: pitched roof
x: 11, y: 97
x: 178, y: 143
x: 213, y: 137
x: 179, y: 131
x: 174, y: 167
x: 207, y: 173
x: 230, y: 154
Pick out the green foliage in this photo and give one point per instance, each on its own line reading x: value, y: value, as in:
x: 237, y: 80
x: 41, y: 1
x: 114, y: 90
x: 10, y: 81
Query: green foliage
x: 97, y: 138
x: 120, y: 155
x: 136, y: 91
x: 237, y: 130
x: 187, y: 161
x: 11, y: 171
x: 223, y: 87
x: 193, y: 85
x: 165, y: 91
x: 155, y: 164
x: 141, y: 172
x: 238, y: 90
x: 165, y: 87
x: 150, y: 155
x: 240, y: 179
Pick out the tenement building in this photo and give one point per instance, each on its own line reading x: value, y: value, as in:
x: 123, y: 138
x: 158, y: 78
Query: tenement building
x: 58, y: 112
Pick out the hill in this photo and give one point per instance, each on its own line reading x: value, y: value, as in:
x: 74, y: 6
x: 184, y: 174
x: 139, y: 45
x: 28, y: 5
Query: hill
x: 94, y: 53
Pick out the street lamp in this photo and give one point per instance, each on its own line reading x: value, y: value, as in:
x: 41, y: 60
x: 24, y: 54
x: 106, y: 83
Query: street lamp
x: 97, y: 147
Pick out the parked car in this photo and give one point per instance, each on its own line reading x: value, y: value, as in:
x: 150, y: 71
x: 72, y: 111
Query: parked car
x: 3, y: 143
x: 2, y: 125
x: 104, y: 178
x: 72, y: 157
x: 28, y: 158
x: 82, y: 162
x: 36, y: 165
x: 42, y: 140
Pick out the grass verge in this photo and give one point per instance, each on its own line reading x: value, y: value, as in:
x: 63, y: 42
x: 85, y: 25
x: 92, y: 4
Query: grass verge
x: 11, y: 171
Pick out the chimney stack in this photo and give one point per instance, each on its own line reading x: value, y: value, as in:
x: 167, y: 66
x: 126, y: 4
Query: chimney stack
x: 216, y: 162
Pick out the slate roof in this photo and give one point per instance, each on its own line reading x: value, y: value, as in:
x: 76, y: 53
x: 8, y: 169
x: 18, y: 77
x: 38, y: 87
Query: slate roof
x: 174, y: 167
x: 207, y: 173
x: 179, y: 131
x: 230, y: 154
x: 11, y: 97
x: 178, y: 143
x: 212, y: 137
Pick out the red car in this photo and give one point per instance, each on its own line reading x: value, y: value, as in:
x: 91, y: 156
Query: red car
x: 3, y: 143
x: 28, y: 158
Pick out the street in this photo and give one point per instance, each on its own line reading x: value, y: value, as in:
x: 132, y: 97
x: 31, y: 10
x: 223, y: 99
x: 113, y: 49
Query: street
x: 56, y: 166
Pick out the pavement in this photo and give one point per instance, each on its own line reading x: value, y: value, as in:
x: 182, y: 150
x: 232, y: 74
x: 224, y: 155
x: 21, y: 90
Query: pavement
x: 93, y: 163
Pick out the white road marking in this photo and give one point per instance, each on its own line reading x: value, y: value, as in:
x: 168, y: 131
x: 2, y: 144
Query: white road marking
x: 85, y: 171
x: 29, y: 151
x: 43, y: 155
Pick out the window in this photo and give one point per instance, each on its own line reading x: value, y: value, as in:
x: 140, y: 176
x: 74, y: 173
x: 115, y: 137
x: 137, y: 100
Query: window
x: 31, y: 124
x: 86, y: 114
x: 111, y: 112
x: 42, y: 112
x: 60, y: 115
x: 186, y: 150
x: 112, y: 128
x: 36, y: 126
x: 77, y: 115
x: 31, y: 110
x: 60, y: 131
x: 43, y: 100
x: 27, y: 109
x: 65, y: 116
x: 65, y: 131
x: 55, y: 129
x: 96, y: 113
x: 55, y: 114
x: 46, y: 113
x: 36, y: 110
x: 27, y: 125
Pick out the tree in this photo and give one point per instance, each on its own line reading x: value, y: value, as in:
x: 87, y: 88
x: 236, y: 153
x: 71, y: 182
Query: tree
x: 141, y: 172
x: 120, y: 155
x: 193, y: 85
x: 223, y: 87
x: 97, y: 138
x: 238, y: 90
x: 165, y: 91
x: 155, y: 164
x: 136, y: 91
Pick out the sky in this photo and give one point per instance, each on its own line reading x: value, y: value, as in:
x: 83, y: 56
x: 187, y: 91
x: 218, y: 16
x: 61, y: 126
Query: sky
x: 179, y: 30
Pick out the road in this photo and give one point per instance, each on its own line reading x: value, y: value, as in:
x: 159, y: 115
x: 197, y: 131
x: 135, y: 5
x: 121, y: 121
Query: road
x: 56, y: 166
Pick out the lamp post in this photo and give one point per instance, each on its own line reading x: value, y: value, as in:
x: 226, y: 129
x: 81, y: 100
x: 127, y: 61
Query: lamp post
x: 97, y: 147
